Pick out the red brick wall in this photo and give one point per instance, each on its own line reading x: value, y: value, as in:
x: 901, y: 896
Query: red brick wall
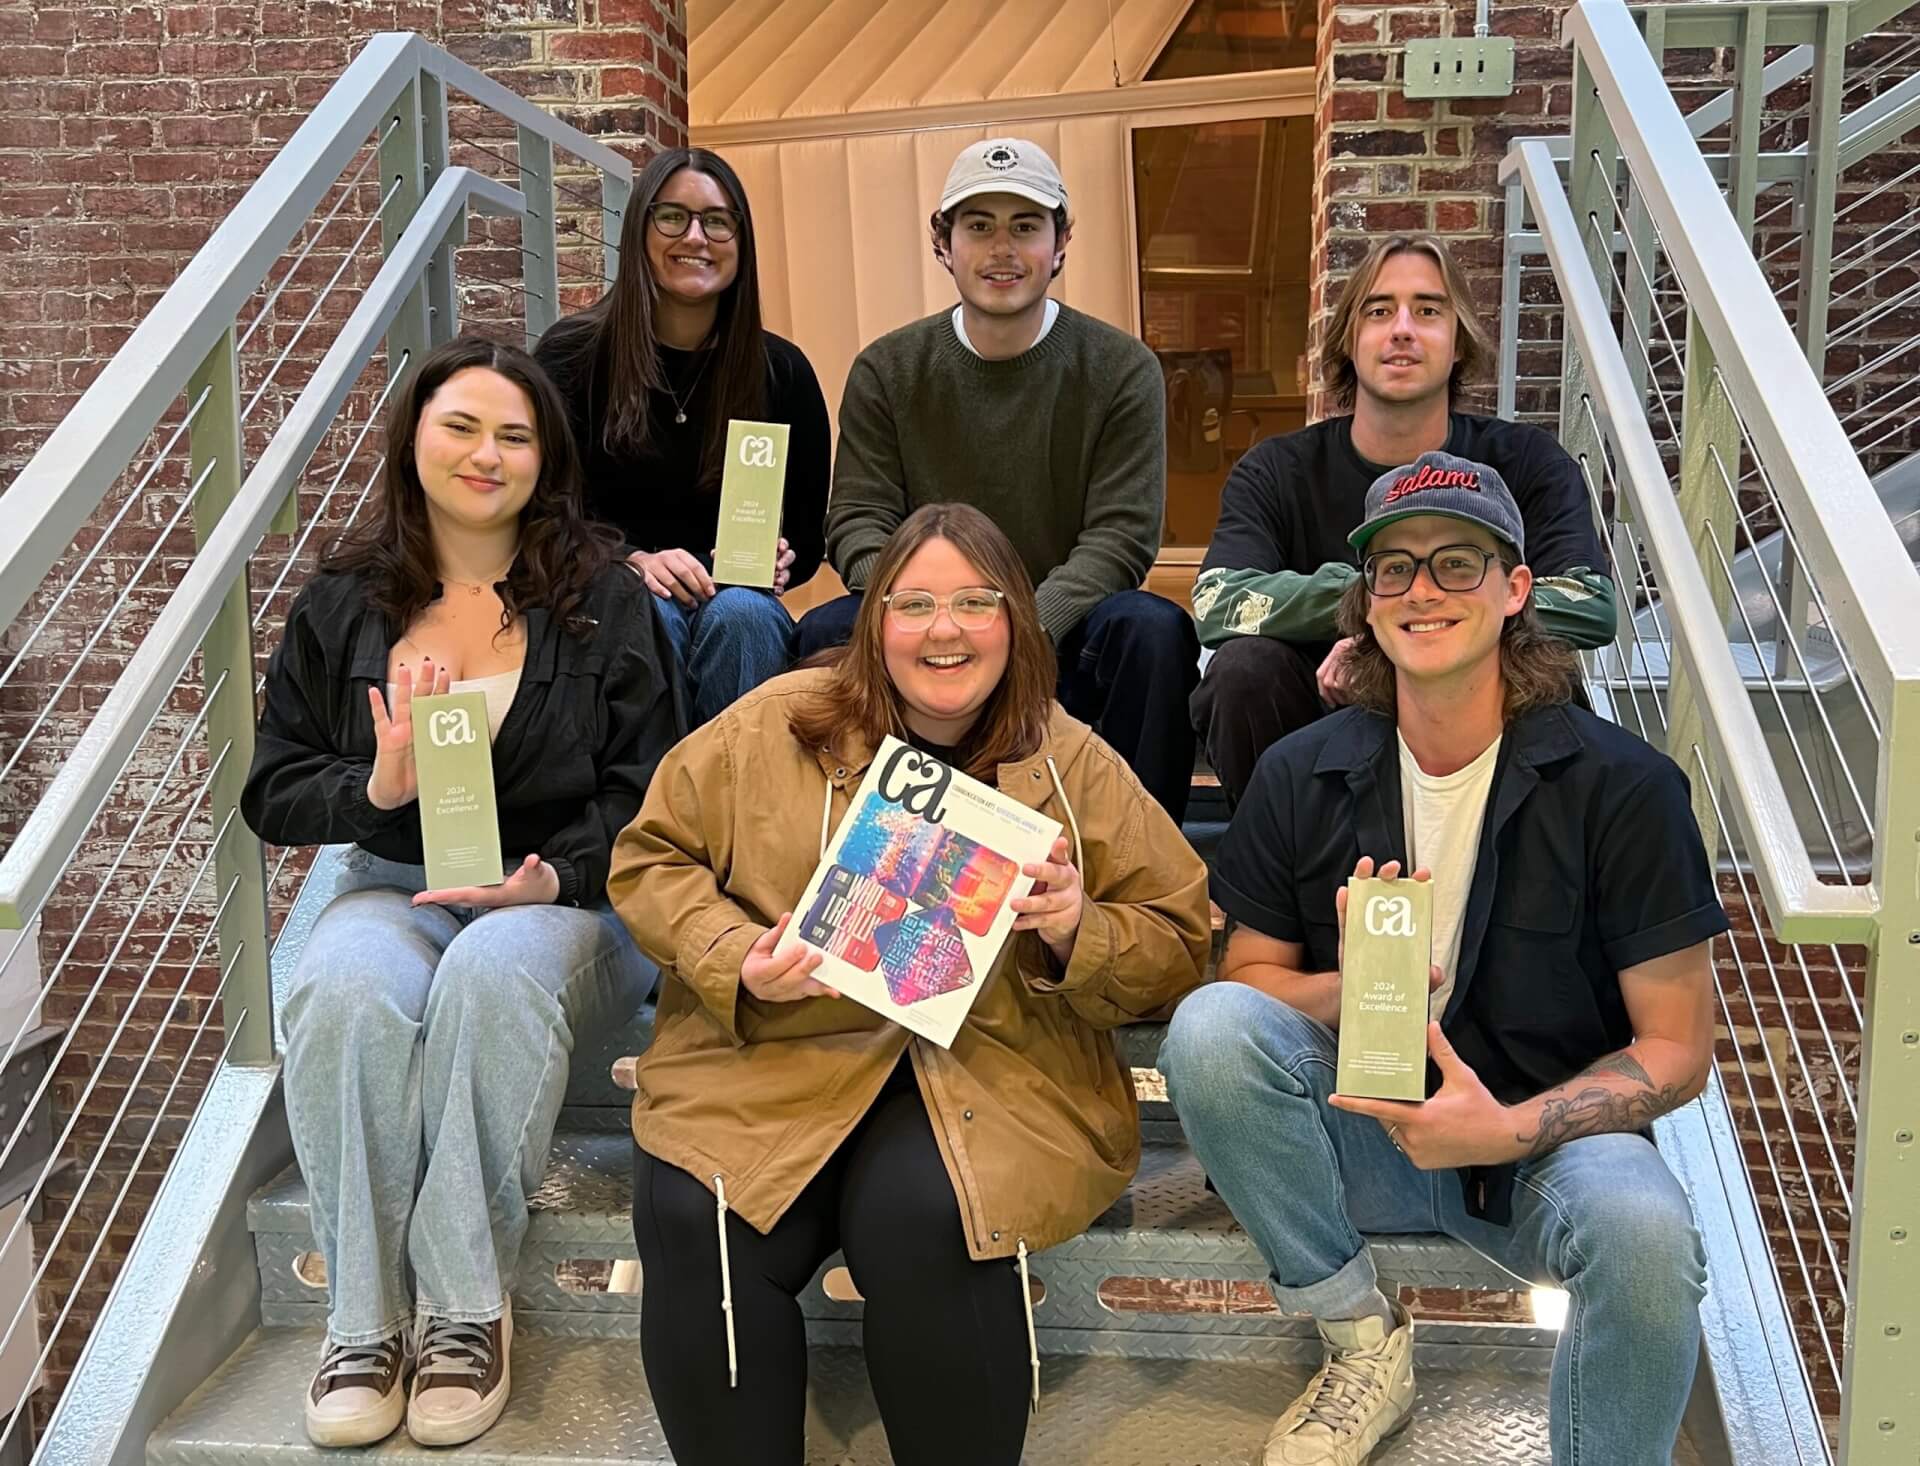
x: 126, y: 132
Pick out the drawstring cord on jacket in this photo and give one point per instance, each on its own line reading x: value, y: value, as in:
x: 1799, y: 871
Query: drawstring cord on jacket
x: 726, y: 1279
x: 826, y: 818
x: 1033, y: 1343
x: 1079, y: 857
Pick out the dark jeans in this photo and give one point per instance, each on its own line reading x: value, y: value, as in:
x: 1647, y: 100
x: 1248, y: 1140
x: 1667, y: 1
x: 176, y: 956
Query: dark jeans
x: 946, y: 1337
x: 1256, y: 691
x: 1128, y: 669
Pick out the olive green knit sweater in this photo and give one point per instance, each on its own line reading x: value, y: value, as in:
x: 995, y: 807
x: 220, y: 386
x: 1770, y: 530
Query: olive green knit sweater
x: 1063, y: 446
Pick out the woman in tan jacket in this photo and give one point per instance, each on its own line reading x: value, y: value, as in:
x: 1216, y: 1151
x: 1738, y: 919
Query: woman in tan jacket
x: 776, y: 1122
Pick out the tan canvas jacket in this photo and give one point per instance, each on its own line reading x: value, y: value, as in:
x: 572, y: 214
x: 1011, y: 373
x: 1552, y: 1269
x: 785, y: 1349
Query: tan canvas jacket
x: 1034, y: 1114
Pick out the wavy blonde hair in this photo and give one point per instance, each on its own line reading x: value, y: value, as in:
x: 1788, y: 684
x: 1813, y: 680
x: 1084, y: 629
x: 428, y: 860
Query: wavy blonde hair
x: 1470, y: 339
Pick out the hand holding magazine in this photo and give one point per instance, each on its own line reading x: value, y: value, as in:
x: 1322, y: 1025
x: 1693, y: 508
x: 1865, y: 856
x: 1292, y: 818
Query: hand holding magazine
x: 911, y: 903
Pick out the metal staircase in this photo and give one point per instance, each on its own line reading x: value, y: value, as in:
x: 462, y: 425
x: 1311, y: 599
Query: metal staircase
x: 1119, y: 1387
x: 206, y: 1343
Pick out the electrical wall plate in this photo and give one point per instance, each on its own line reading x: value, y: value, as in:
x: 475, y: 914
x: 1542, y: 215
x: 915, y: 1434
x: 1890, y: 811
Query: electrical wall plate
x: 1458, y: 66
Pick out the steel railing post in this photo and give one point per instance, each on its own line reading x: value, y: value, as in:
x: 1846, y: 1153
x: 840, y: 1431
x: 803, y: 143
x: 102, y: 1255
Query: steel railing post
x: 1640, y: 304
x: 443, y: 302
x: 614, y: 193
x: 403, y: 154
x: 1880, y: 1390
x: 1749, y: 93
x: 1708, y: 429
x: 1514, y: 216
x: 1824, y: 120
x: 227, y: 667
x: 539, y: 234
x: 1590, y: 190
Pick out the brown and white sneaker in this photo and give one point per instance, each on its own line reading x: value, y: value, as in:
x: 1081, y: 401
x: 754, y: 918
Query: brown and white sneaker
x: 1362, y: 1395
x: 461, y: 1383
x: 359, y: 1392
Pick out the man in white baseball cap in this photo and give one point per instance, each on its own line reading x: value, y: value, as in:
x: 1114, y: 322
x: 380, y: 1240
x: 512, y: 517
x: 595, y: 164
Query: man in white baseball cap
x: 1051, y: 422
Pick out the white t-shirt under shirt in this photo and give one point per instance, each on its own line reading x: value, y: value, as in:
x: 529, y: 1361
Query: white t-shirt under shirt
x: 960, y: 326
x: 1443, y: 815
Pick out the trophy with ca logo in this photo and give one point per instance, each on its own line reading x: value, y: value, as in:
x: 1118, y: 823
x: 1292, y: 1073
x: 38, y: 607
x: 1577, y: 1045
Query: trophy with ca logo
x: 459, y: 818
x: 747, y: 540
x: 1383, y: 989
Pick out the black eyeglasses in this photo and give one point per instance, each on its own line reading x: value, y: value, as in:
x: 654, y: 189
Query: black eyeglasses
x: 1453, y: 568
x: 673, y: 220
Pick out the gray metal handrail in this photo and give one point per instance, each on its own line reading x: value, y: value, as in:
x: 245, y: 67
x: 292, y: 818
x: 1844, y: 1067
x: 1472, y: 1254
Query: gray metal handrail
x: 54, y: 829
x: 1802, y: 904
x: 187, y: 350
x: 64, y: 482
x: 1726, y: 388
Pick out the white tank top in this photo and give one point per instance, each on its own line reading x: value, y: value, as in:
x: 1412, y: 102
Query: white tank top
x: 500, y: 689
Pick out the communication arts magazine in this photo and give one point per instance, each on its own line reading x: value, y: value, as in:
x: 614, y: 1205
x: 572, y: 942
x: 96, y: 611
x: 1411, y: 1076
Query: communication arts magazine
x: 911, y: 903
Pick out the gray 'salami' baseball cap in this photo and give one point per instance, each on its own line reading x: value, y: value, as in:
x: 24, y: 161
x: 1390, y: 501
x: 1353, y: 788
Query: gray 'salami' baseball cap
x: 1440, y: 483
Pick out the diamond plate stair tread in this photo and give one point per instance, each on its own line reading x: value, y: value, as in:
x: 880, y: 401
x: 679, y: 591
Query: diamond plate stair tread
x: 580, y: 1402
x: 1166, y: 1216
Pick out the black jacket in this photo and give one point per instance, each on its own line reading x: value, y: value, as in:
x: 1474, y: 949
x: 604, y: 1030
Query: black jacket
x: 593, y: 714
x: 1590, y: 862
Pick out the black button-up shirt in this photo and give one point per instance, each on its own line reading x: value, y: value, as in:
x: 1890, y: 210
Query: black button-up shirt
x: 1589, y: 863
x: 594, y: 712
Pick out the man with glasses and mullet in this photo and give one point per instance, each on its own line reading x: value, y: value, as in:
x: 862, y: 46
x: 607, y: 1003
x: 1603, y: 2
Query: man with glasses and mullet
x: 1054, y: 425
x: 1402, y: 341
x: 1573, y: 909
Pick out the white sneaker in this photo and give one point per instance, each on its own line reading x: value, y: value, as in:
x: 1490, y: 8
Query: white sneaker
x: 462, y: 1381
x: 1362, y: 1395
x: 359, y: 1392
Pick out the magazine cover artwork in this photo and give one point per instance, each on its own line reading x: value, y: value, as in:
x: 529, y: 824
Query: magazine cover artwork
x: 911, y: 903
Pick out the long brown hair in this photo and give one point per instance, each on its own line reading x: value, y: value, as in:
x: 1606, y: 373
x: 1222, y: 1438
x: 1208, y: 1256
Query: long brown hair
x: 561, y: 551
x: 614, y: 339
x: 1536, y: 668
x: 1470, y: 338
x: 860, y: 705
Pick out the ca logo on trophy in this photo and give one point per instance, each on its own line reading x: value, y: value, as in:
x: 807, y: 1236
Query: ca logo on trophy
x: 449, y: 727
x: 1390, y: 916
x: 757, y: 452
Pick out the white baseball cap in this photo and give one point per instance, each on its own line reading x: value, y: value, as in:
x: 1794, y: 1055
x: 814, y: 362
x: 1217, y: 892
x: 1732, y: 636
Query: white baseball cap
x: 1012, y: 165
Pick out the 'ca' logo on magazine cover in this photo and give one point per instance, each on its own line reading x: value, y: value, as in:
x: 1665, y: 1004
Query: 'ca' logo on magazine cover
x: 917, y: 783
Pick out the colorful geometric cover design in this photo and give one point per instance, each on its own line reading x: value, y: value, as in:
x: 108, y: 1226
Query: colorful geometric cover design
x: 845, y: 914
x: 910, y: 905
x: 967, y: 879
x: 928, y: 864
x: 922, y: 956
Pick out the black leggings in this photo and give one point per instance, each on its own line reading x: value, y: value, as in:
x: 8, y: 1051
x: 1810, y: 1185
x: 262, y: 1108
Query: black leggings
x: 946, y: 1338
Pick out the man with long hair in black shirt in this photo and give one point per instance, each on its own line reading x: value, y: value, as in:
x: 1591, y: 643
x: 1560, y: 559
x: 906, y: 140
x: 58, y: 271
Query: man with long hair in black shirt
x: 1402, y: 342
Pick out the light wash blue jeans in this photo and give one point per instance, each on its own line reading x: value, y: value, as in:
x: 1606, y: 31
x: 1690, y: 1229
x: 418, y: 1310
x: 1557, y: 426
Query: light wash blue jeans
x: 426, y: 1058
x: 1601, y: 1216
x: 728, y: 646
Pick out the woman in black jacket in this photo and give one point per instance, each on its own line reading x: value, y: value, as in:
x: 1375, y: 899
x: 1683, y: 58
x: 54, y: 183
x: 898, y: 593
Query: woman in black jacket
x: 428, y: 1032
x: 652, y: 373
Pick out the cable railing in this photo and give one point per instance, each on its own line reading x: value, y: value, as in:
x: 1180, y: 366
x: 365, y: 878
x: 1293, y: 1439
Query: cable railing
x: 197, y: 480
x: 1769, y: 640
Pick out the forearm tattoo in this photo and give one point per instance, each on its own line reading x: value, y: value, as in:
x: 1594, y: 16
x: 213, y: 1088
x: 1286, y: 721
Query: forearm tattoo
x: 1577, y: 1109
